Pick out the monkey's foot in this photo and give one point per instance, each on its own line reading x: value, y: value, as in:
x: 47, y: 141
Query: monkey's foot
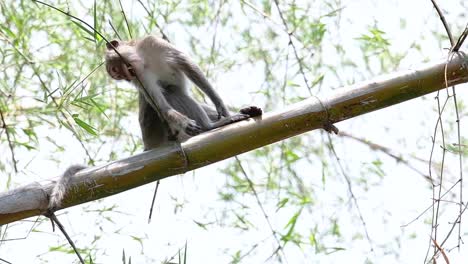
x: 251, y: 111
x: 192, y: 129
x: 238, y: 117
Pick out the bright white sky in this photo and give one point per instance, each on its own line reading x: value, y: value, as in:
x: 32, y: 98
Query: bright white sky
x: 401, y: 196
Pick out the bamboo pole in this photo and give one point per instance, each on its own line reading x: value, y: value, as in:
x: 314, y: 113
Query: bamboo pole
x: 312, y: 113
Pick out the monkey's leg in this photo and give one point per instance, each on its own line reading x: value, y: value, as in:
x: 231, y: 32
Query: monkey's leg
x: 178, y: 101
x: 203, y: 114
x: 229, y: 120
x: 178, y: 122
x: 251, y: 111
x: 153, y: 130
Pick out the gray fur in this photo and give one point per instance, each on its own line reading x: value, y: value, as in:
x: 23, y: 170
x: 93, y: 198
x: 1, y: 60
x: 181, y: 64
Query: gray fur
x: 61, y: 186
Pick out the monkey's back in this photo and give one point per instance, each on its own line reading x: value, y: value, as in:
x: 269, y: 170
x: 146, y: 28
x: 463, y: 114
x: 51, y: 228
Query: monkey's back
x: 155, y: 55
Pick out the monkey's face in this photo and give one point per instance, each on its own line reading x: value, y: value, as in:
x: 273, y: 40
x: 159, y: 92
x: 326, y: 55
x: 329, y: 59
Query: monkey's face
x: 119, y: 71
x: 115, y: 66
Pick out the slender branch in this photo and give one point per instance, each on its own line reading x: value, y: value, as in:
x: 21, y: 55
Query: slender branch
x: 152, y: 201
x: 10, y: 142
x: 164, y: 36
x: 460, y: 154
x: 460, y: 40
x: 389, y: 152
x: 125, y: 18
x: 351, y: 192
x: 454, y: 224
x: 291, y: 43
x: 441, y: 251
x: 5, y: 261
x: 256, y: 9
x: 53, y: 218
x: 257, y: 198
x: 444, y: 22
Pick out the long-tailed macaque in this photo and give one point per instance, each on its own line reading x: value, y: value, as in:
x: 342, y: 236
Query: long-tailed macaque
x: 159, y: 71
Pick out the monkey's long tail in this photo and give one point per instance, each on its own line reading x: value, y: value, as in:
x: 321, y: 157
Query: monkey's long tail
x: 62, y: 185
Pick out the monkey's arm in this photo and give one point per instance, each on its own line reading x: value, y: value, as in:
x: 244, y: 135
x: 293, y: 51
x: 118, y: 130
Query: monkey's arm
x: 179, y: 60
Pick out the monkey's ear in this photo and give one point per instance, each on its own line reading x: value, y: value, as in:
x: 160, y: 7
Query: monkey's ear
x: 114, y: 43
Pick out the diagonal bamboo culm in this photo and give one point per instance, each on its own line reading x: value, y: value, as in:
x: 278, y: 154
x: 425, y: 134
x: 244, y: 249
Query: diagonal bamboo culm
x: 118, y: 176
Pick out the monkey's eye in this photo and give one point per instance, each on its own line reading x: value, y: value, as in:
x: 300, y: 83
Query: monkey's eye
x: 114, y: 69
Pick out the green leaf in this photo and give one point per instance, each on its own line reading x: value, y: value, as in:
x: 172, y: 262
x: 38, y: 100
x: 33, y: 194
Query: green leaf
x: 7, y: 31
x: 335, y: 228
x: 91, y: 130
x: 91, y: 33
x: 291, y: 224
x: 453, y: 148
x: 281, y: 203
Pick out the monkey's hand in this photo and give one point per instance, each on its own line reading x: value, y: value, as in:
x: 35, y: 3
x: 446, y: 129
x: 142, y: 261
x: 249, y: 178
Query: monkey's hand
x: 180, y: 123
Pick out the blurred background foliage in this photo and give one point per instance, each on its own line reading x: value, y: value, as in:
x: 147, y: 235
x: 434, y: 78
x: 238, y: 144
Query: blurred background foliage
x: 294, y: 201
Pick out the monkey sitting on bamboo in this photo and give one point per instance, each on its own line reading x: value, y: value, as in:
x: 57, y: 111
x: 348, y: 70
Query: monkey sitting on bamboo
x: 167, y: 112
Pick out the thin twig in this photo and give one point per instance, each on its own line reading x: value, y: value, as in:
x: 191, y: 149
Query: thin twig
x: 437, y: 207
x: 444, y: 22
x: 460, y: 40
x: 460, y: 155
x: 441, y: 251
x: 389, y: 152
x: 457, y: 220
x: 19, y: 238
x: 53, y: 218
x: 164, y: 36
x: 350, y: 190
x: 214, y: 38
x: 87, y: 76
x: 125, y: 18
x: 256, y: 9
x: 5, y: 261
x: 291, y: 43
x: 257, y: 198
x: 152, y: 202
x: 115, y: 30
x: 10, y: 143
x: 429, y: 207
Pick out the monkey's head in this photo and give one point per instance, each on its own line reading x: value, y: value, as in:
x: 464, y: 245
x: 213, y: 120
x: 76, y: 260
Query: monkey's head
x: 115, y: 65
